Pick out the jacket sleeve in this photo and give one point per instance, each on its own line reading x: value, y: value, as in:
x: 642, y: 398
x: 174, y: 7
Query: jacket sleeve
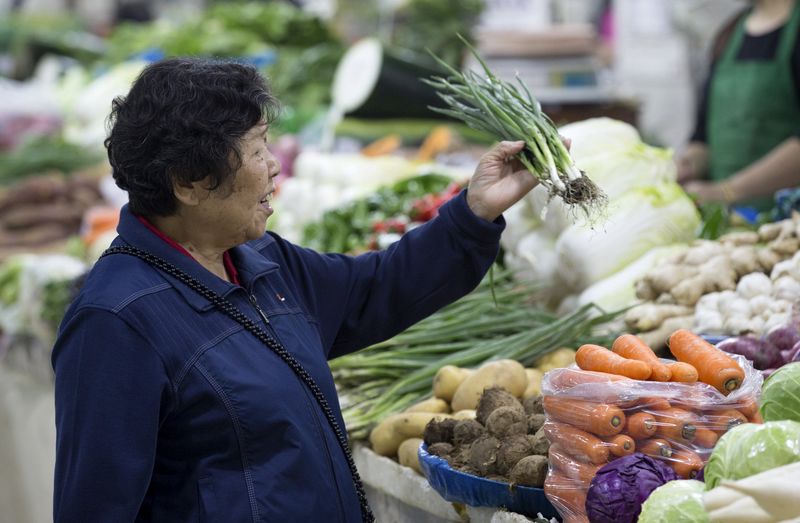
x: 361, y: 300
x: 111, y: 392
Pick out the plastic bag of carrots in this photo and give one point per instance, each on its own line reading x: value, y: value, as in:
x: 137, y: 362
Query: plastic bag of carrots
x: 616, y: 402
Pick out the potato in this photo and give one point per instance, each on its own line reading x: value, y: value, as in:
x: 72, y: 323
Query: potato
x: 508, y: 374
x: 534, y: 387
x: 465, y: 414
x: 387, y: 436
x: 558, y: 359
x: 447, y: 380
x: 407, y: 454
x: 430, y: 405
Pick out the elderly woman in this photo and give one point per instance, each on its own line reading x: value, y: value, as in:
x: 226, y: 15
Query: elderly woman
x: 191, y: 372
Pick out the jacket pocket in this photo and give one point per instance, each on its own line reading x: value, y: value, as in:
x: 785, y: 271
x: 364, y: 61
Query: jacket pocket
x: 207, y: 501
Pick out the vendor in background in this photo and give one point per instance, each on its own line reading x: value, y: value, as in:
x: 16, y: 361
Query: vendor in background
x: 746, y: 144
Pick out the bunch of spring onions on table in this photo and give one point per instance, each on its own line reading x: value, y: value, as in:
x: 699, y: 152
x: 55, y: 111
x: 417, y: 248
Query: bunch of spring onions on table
x: 390, y: 376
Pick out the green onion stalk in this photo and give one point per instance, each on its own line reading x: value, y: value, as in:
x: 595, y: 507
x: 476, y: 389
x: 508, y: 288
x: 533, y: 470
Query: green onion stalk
x: 392, y: 375
x: 500, y: 109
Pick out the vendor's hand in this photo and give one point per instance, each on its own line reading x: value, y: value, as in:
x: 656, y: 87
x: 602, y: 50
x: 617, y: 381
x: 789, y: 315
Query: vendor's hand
x: 500, y: 181
x: 706, y: 191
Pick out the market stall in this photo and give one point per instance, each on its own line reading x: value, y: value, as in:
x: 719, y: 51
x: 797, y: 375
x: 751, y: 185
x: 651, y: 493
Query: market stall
x: 630, y: 344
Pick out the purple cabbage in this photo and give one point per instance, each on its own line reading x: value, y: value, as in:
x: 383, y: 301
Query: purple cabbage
x: 784, y: 338
x: 792, y: 354
x: 619, y: 488
x: 761, y: 352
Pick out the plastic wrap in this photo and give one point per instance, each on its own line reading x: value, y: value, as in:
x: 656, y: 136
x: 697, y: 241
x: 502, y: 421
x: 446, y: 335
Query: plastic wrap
x: 593, y: 418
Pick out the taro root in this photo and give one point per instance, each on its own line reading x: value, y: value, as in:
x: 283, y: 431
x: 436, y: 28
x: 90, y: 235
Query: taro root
x: 482, y: 455
x: 492, y: 399
x: 533, y: 405
x: 535, y: 422
x: 466, y: 431
x: 507, y: 421
x: 511, y: 451
x: 439, y: 431
x: 442, y: 449
x: 530, y: 471
x: 539, y: 443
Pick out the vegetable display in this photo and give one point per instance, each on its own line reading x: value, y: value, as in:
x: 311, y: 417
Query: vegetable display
x: 502, y: 110
x: 598, y: 414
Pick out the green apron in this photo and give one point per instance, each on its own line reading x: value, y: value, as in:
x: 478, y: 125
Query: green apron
x: 752, y: 106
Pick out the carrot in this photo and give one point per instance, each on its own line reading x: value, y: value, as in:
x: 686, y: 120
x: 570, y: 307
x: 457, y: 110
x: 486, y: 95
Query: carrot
x: 676, y: 424
x: 656, y: 447
x: 620, y: 445
x: 756, y: 418
x: 654, y: 403
x: 724, y: 420
x: 386, y: 145
x: 570, y: 467
x: 562, y: 379
x: 633, y: 347
x: 683, y: 372
x: 749, y: 407
x: 713, y: 366
x: 567, y: 496
x: 705, y: 438
x: 597, y: 358
x: 600, y: 419
x: 686, y: 464
x: 437, y: 141
x: 641, y: 425
x: 576, y: 442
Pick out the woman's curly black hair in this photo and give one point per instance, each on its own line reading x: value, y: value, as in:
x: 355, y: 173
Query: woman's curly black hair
x: 182, y: 122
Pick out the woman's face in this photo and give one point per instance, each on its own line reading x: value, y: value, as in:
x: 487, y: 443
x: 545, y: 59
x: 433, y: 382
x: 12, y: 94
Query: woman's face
x: 240, y: 210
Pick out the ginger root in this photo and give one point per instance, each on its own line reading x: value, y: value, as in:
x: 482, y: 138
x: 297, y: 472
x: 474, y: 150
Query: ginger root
x: 649, y: 316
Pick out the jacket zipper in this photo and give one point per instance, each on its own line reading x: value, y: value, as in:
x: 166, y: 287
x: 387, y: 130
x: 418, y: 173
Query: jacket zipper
x: 258, y: 308
x: 322, y: 432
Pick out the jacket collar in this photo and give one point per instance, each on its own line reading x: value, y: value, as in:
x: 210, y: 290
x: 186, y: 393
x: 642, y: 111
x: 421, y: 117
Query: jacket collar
x: 250, y: 264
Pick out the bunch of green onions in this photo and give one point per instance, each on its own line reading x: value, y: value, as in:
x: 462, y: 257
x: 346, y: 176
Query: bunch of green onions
x: 500, y: 109
x: 390, y: 376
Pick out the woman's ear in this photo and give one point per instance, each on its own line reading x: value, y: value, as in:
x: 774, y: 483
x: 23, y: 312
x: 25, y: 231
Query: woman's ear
x: 190, y: 193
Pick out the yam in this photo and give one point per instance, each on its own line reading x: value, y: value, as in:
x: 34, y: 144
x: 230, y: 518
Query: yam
x: 533, y: 405
x: 511, y: 451
x: 482, y: 455
x: 539, y: 443
x: 443, y: 450
x: 439, y: 431
x: 530, y: 471
x: 508, y: 374
x: 492, y: 399
x: 407, y: 454
x: 33, y: 215
x: 507, y: 421
x: 447, y: 380
x: 466, y: 431
x: 535, y: 422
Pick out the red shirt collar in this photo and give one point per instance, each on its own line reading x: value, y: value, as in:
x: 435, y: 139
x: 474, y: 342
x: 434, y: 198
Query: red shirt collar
x: 233, y: 274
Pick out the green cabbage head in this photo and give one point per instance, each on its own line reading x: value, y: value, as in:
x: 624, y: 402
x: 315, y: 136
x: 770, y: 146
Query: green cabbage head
x: 780, y: 396
x: 679, y: 501
x: 751, y: 448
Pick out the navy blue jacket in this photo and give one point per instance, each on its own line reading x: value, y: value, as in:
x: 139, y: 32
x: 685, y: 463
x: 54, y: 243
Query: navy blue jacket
x: 169, y: 411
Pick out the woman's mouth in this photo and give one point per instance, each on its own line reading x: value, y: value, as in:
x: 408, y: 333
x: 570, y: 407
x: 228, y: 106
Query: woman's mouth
x: 265, y: 202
